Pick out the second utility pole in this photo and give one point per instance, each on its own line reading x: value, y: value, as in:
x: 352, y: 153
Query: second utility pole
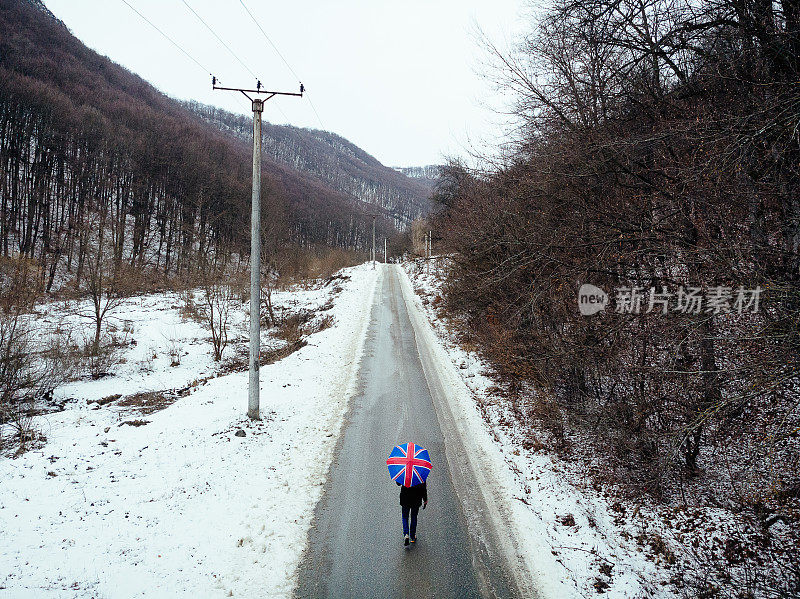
x: 253, y: 407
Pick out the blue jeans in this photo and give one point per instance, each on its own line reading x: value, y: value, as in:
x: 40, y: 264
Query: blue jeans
x: 412, y: 511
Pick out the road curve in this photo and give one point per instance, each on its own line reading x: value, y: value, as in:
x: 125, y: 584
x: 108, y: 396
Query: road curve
x: 355, y: 545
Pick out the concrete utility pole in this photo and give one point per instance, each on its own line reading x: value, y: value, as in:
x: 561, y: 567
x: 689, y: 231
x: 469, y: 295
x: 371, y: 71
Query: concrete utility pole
x: 253, y: 407
x: 255, y: 268
x: 385, y: 260
x: 373, y: 242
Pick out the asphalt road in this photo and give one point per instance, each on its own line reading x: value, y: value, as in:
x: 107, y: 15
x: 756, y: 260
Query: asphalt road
x: 356, y: 544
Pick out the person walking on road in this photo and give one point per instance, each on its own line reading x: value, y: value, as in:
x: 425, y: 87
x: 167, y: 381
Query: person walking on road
x: 410, y: 500
x: 409, y: 466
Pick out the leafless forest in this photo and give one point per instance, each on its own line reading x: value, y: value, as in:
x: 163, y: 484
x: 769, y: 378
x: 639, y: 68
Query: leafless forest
x: 659, y: 148
x: 93, y: 155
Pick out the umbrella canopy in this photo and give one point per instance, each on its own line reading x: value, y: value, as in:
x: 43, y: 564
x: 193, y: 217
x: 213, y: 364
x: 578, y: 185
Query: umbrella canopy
x: 409, y: 464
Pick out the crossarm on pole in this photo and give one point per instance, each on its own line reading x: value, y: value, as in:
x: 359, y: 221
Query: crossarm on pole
x: 259, y: 91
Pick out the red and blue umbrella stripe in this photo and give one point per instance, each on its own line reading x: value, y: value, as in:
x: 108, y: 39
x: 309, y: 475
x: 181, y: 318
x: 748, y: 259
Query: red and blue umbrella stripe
x: 409, y: 464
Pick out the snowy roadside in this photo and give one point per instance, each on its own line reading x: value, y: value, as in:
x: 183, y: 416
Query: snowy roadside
x: 571, y: 540
x: 172, y: 503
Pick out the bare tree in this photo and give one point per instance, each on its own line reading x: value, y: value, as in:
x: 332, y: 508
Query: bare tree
x: 104, y: 282
x: 32, y: 362
x: 219, y: 297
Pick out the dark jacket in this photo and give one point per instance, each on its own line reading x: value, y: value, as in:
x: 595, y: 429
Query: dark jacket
x: 413, y: 496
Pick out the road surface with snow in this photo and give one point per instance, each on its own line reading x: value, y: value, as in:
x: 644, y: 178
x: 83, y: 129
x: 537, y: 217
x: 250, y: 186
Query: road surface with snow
x: 355, y: 544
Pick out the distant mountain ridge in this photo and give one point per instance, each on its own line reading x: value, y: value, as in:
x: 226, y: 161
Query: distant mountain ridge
x: 430, y: 171
x: 332, y: 160
x: 427, y: 175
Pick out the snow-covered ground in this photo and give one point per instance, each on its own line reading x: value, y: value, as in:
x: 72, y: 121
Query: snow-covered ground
x: 574, y: 540
x: 123, y: 501
x: 144, y: 489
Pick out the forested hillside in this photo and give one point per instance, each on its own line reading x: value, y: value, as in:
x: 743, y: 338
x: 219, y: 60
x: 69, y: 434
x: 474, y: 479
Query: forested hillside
x: 334, y: 161
x: 93, y: 158
x: 659, y: 162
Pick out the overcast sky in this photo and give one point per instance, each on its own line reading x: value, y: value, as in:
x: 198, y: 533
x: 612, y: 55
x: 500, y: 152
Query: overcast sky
x: 397, y: 78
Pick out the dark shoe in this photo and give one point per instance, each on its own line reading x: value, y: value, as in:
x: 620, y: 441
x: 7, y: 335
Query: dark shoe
x: 405, y: 541
x: 413, y: 539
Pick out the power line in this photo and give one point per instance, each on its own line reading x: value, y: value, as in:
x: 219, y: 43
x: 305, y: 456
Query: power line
x: 189, y: 56
x: 169, y: 39
x: 278, y: 106
x: 286, y: 62
x: 315, y: 110
x: 220, y: 40
x: 264, y: 33
x: 228, y: 48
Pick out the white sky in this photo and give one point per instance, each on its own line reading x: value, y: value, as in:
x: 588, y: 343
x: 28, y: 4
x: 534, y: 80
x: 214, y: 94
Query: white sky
x: 399, y: 79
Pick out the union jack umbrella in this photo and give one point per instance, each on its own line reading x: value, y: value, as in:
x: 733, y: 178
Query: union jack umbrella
x: 409, y: 464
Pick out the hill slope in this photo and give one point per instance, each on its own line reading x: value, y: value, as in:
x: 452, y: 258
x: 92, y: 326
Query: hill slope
x: 332, y: 160
x: 93, y: 155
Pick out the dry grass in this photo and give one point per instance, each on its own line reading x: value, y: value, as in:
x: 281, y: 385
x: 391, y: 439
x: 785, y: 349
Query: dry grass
x: 270, y: 357
x: 149, y: 402
x: 108, y: 399
x: 323, y: 323
x: 240, y: 362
